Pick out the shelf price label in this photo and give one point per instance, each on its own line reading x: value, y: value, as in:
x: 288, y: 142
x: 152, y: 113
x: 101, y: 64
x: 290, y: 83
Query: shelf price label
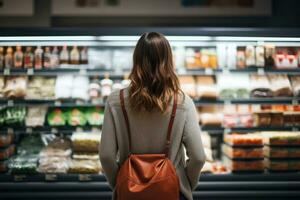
x: 295, y: 129
x: 84, y: 177
x: 6, y: 71
x: 227, y: 130
x: 57, y: 103
x: 227, y: 102
x: 261, y: 71
x: 208, y: 71
x: 29, y: 130
x: 82, y: 72
x: 30, y: 71
x: 19, y: 178
x: 79, y: 129
x: 79, y: 102
x: 54, y: 130
x: 10, y: 103
x: 50, y: 177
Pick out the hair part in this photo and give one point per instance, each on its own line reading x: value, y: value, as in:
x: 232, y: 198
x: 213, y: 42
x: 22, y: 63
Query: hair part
x: 153, y: 79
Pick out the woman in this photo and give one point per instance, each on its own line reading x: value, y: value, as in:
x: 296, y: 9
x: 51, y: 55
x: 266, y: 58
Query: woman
x: 148, y: 101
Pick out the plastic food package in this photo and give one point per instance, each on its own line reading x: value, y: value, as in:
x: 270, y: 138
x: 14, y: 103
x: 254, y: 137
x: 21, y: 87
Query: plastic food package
x: 54, y: 164
x: 94, y: 89
x: 56, y: 117
x: 85, y: 141
x: 80, y: 87
x: 275, y: 119
x: 1, y: 86
x: 243, y: 139
x: 244, y: 165
x: 85, y: 166
x: 280, y: 85
x: 260, y: 86
x: 211, y: 119
x: 295, y: 81
x: 30, y: 145
x: 231, y: 86
x: 188, y: 85
x: 206, y: 88
x: 3, y: 166
x: 6, y: 139
x: 14, y: 115
x: 282, y: 165
x: 282, y: 138
x: 24, y: 164
x: 35, y: 116
x: 86, y: 156
x: 95, y: 116
x: 63, y: 86
x: 106, y: 87
x: 15, y: 87
x: 6, y: 153
x: 76, y: 117
x: 282, y: 152
x: 243, y: 153
x: 41, y: 88
x: 291, y: 118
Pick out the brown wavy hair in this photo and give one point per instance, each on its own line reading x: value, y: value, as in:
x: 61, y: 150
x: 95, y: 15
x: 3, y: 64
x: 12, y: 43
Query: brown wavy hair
x: 153, y: 79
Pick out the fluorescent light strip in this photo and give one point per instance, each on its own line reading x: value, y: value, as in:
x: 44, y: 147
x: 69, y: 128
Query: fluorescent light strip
x: 171, y: 38
x: 271, y: 39
x: 47, y: 38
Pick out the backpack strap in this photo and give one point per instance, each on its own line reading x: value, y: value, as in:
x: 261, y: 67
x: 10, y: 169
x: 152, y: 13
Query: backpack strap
x: 171, y: 122
x: 170, y: 126
x: 125, y: 117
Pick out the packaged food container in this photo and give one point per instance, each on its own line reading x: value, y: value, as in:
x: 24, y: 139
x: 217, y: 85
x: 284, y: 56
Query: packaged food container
x: 282, y: 138
x: 24, y: 164
x: 243, y: 139
x: 281, y: 152
x: 7, y: 152
x: 244, y: 165
x: 85, y: 141
x: 282, y: 165
x: 84, y: 166
x: 262, y: 119
x: 242, y: 152
x: 6, y: 139
x: 54, y: 164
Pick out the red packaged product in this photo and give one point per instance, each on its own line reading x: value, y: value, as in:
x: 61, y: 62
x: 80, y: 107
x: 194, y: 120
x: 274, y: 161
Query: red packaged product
x: 242, y: 153
x: 243, y: 166
x: 243, y: 139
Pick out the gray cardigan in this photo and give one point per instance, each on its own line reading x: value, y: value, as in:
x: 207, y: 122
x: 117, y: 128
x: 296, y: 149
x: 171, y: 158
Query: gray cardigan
x: 149, y: 132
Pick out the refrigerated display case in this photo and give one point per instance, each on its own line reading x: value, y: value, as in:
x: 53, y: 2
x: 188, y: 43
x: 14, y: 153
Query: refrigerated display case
x: 54, y: 83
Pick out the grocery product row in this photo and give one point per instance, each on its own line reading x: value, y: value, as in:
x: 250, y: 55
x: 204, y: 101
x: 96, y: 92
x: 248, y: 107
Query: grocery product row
x: 38, y: 116
x: 199, y: 87
x: 232, y: 116
x: 41, y: 57
x: 51, y: 154
x: 255, y: 152
x: 217, y: 56
x: 241, y: 86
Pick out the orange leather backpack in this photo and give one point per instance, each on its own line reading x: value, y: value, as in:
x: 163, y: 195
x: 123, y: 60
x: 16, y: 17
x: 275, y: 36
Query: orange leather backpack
x: 148, y: 176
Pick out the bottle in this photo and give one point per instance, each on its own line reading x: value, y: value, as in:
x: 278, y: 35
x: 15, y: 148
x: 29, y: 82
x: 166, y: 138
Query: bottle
x: 83, y: 56
x: 47, y: 58
x: 54, y: 58
x: 9, y: 58
x: 38, y: 58
x: 64, y: 55
x: 28, y: 58
x: 1, y: 58
x: 74, y: 56
x: 18, y: 57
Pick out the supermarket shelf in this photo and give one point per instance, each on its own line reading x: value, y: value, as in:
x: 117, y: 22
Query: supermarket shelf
x: 48, y: 129
x: 249, y: 177
x: 275, y: 100
x: 50, y: 103
x: 101, y: 72
x: 78, y: 103
x: 226, y: 186
x: 218, y: 129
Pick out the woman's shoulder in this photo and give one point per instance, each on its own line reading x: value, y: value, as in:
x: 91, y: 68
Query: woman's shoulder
x: 184, y: 100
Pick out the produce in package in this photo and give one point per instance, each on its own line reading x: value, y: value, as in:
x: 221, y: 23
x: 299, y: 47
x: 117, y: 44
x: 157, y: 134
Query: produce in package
x: 24, y: 164
x: 56, y: 117
x: 30, y: 145
x: 41, y: 88
x: 36, y: 116
x: 15, y: 87
x: 86, y: 141
x: 76, y: 117
x: 14, y: 115
x: 95, y: 116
